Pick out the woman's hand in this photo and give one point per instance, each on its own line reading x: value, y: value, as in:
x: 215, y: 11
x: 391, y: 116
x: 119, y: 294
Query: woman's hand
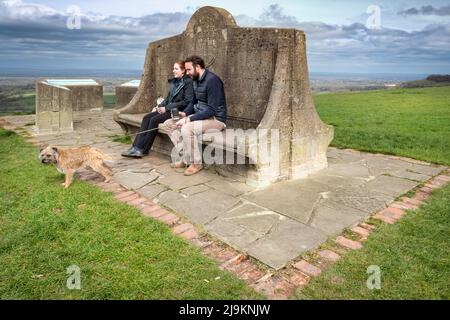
x: 182, y: 114
x: 161, y: 109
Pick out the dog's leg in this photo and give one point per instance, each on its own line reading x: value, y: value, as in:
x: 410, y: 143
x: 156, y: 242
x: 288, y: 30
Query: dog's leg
x: 103, y: 170
x: 69, y: 178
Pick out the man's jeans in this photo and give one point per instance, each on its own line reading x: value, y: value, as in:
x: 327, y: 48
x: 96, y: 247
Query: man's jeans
x: 188, y: 147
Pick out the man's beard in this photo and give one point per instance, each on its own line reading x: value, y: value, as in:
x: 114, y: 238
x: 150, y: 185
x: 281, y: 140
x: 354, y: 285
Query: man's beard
x: 195, y: 75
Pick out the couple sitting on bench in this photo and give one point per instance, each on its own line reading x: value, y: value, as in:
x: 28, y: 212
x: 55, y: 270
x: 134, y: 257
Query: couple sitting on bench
x: 199, y: 96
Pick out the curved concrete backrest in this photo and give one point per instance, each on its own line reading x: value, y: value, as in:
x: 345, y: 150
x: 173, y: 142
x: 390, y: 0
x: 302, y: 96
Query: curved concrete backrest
x: 266, y: 82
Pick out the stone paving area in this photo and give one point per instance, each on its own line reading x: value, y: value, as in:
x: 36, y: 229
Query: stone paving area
x: 274, y: 225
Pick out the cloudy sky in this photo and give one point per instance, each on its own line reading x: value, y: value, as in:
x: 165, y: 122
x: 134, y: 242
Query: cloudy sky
x: 411, y: 37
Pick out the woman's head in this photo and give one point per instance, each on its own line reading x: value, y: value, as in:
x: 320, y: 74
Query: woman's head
x: 178, y: 69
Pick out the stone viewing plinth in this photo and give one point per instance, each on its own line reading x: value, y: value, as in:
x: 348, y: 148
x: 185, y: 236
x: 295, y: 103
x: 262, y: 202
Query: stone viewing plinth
x: 57, y: 99
x: 125, y: 92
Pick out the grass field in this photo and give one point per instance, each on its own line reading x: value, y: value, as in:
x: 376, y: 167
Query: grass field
x: 18, y: 104
x: 44, y: 229
x: 109, y: 100
x: 413, y: 123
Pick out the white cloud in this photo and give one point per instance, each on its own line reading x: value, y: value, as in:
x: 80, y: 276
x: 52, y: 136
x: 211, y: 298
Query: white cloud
x: 16, y: 9
x: 428, y: 10
x: 30, y: 31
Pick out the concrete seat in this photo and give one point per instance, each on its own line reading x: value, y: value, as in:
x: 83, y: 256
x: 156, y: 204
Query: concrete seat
x: 132, y: 120
x: 265, y: 74
x: 218, y: 138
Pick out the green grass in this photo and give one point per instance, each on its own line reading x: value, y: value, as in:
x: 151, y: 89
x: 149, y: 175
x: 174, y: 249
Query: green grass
x: 44, y: 229
x: 109, y: 100
x: 18, y: 104
x: 413, y: 123
x: 122, y: 139
x: 413, y: 255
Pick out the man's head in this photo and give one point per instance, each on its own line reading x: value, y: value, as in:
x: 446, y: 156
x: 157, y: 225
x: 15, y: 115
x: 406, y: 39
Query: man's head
x: 195, y: 66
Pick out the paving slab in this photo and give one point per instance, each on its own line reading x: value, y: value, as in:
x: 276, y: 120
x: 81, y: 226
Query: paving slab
x: 294, y: 199
x: 243, y: 225
x: 203, y: 207
x: 356, y: 169
x: 426, y: 169
x: 336, y: 181
x: 332, y: 218
x: 165, y: 169
x: 392, y: 186
x: 336, y: 156
x: 133, y: 180
x: 195, y: 189
x: 233, y: 234
x: 252, y: 217
x: 156, y: 159
x: 177, y: 181
x: 287, y: 241
x: 169, y: 196
x: 151, y: 191
x: 407, y: 174
x: 232, y: 188
x: 361, y: 198
x: 379, y: 165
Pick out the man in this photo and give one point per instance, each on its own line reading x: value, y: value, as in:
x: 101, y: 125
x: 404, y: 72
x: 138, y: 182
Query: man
x: 208, y: 111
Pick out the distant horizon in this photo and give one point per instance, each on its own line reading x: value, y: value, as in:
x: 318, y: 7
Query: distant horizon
x: 123, y: 72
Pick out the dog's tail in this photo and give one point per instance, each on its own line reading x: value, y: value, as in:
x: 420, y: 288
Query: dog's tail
x: 109, y: 161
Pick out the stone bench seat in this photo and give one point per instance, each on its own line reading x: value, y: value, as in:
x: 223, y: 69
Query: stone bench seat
x: 277, y: 100
x: 131, y: 121
x: 217, y: 139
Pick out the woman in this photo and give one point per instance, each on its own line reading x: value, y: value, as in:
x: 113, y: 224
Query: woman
x: 180, y: 94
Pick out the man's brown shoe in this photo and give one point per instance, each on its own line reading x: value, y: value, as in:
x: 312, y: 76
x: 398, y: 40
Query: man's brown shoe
x: 193, y: 169
x: 177, y: 165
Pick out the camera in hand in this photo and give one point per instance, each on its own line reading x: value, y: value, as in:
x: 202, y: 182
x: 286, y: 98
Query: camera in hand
x: 175, y: 114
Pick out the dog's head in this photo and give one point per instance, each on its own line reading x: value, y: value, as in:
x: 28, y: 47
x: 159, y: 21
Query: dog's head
x: 48, y: 154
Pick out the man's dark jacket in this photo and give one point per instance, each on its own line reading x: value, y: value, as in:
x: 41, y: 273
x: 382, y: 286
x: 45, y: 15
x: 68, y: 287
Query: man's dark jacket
x: 209, y: 99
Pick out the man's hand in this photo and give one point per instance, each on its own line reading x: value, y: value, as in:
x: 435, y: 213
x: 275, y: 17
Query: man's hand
x: 181, y: 122
x: 182, y: 114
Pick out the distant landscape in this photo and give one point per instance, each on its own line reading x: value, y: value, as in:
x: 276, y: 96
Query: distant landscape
x: 17, y: 87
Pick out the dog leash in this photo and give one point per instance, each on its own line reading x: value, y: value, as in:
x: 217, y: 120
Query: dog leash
x: 135, y: 134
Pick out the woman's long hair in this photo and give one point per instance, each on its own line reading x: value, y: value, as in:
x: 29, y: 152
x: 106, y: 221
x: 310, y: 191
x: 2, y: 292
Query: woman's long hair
x: 180, y: 63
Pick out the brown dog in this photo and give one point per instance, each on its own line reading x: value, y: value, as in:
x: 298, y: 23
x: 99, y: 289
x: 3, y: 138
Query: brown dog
x: 68, y: 160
